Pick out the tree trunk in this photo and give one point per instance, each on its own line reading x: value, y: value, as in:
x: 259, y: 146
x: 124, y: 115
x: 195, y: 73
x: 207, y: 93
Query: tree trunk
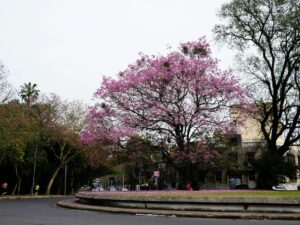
x: 17, y: 186
x: 224, y: 176
x: 187, y: 176
x: 52, y: 179
x: 194, y: 183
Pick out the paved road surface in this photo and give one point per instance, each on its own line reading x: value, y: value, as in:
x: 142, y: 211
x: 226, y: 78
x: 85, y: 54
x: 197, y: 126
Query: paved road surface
x: 45, y: 212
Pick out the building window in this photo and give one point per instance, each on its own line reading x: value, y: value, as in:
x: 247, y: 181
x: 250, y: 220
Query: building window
x: 251, y: 175
x: 218, y: 176
x: 291, y: 158
x: 210, y: 178
x: 233, y: 141
x: 233, y: 156
x: 250, y: 157
x: 202, y: 176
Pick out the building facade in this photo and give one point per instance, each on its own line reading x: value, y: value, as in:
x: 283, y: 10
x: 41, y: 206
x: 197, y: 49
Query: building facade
x: 251, y: 145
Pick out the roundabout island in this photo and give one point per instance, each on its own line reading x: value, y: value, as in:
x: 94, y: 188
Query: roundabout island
x: 248, y: 204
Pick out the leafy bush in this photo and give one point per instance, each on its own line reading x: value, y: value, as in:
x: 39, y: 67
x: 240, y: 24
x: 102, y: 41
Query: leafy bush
x: 273, y: 169
x: 242, y: 186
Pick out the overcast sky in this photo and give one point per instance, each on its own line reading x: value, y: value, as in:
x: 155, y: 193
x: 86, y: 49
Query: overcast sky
x: 65, y: 46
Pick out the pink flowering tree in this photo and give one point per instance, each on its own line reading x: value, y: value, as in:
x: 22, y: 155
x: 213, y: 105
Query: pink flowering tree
x: 175, y: 100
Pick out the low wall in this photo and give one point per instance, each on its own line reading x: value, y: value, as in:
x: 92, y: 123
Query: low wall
x: 233, y: 204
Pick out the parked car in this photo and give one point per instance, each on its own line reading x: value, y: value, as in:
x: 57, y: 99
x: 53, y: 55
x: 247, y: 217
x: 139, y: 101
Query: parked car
x: 98, y: 188
x: 285, y: 187
x: 85, y: 188
x: 112, y: 188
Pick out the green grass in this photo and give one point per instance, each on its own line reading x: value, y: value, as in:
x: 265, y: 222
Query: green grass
x: 268, y: 194
x: 256, y: 194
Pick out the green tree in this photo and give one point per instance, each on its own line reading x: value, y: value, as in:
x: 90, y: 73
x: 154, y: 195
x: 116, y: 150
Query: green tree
x: 6, y: 90
x: 139, y: 159
x: 267, y: 34
x: 29, y: 93
x: 63, y: 135
x: 271, y: 27
x: 16, y: 130
x: 227, y: 161
x: 273, y: 169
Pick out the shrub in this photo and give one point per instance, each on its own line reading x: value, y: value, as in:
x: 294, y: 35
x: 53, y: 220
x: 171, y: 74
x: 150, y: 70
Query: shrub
x: 273, y: 169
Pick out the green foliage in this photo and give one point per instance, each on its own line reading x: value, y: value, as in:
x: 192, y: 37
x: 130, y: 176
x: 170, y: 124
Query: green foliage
x: 139, y: 160
x: 29, y: 93
x: 6, y: 90
x: 273, y: 169
x: 266, y: 33
x: 17, y: 128
x: 227, y: 146
x: 45, y: 133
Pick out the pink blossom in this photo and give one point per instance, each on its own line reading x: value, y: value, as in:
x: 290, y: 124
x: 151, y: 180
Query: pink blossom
x: 173, y: 192
x: 180, y: 97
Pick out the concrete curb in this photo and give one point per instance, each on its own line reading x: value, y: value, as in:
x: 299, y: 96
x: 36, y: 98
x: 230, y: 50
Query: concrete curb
x: 193, y: 203
x: 13, y: 197
x: 187, y: 199
x: 73, y: 204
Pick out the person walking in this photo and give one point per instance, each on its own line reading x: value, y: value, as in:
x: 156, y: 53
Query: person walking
x: 4, y: 188
x: 36, y: 189
x: 188, y: 187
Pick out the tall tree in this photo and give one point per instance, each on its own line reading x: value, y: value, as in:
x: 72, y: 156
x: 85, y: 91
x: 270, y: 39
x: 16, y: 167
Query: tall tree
x: 138, y: 159
x: 67, y: 123
x: 6, y: 90
x: 17, y: 128
x: 267, y: 33
x: 29, y: 93
x: 173, y: 100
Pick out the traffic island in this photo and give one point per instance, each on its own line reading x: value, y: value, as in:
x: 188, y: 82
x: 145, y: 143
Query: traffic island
x: 216, y: 204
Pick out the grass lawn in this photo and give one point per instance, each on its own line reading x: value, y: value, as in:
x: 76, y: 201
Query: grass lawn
x: 268, y: 194
x: 211, y: 193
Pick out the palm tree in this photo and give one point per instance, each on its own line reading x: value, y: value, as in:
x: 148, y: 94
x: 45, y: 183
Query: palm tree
x: 29, y: 93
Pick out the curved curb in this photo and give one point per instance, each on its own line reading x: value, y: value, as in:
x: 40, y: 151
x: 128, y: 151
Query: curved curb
x: 73, y: 204
x: 14, y: 197
x: 192, y: 203
x: 187, y: 199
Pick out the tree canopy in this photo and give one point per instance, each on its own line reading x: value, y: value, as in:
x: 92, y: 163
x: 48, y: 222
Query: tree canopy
x: 29, y: 93
x: 172, y: 100
x: 6, y: 90
x: 267, y: 33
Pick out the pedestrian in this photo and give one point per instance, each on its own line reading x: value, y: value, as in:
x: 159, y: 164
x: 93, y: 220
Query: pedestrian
x: 36, y: 189
x: 188, y: 187
x: 4, y: 188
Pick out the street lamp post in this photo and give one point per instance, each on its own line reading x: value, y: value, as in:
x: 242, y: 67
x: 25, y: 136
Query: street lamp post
x: 65, y: 183
x: 34, y: 169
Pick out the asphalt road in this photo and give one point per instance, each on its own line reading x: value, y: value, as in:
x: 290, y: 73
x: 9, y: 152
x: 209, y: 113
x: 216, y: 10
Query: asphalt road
x: 45, y: 212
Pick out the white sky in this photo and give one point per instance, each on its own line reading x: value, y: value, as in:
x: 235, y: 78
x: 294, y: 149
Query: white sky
x: 65, y: 46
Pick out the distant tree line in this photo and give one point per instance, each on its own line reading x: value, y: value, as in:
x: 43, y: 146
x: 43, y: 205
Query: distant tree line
x: 39, y: 139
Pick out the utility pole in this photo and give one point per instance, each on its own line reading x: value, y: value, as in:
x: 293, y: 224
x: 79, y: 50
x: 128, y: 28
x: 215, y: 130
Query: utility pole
x: 65, y: 185
x: 34, y: 168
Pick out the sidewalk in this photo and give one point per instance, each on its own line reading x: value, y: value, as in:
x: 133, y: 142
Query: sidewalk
x: 72, y: 204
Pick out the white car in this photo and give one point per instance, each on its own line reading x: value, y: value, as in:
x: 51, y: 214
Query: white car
x: 98, y: 189
x: 112, y: 188
x: 285, y: 187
